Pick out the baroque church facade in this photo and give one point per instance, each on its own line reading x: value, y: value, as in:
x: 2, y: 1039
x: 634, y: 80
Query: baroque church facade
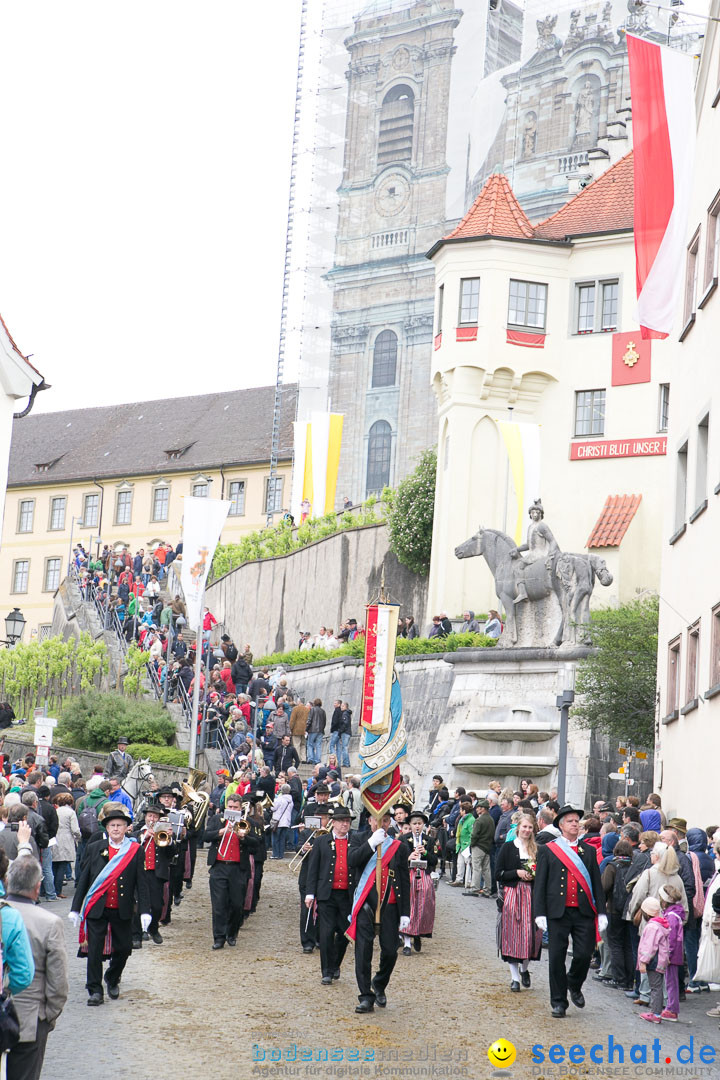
x: 565, y: 122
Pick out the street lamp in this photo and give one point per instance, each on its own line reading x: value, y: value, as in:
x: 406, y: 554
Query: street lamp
x: 14, y: 626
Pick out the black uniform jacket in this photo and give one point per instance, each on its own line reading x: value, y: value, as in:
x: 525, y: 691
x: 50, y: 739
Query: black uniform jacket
x: 429, y: 850
x: 321, y: 867
x: 164, y: 856
x: 360, y: 855
x: 132, y: 883
x: 550, y: 889
x: 249, y: 845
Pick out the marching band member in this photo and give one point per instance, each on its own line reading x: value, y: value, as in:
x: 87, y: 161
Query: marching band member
x: 257, y: 823
x: 169, y: 798
x: 329, y: 882
x: 308, y: 915
x: 111, y: 880
x: 229, y: 867
x: 394, y: 911
x: 422, y: 888
x: 157, y: 871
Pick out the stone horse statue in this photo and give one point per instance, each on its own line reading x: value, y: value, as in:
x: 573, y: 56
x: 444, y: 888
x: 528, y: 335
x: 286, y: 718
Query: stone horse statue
x: 570, y: 578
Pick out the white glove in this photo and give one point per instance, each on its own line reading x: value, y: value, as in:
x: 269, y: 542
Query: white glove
x: 376, y: 838
x: 74, y: 917
x: 541, y: 923
x: 404, y: 922
x: 145, y: 921
x: 309, y: 899
x: 602, y: 923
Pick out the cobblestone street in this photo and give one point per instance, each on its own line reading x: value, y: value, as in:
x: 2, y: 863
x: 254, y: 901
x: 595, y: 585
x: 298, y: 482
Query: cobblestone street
x: 185, y: 1010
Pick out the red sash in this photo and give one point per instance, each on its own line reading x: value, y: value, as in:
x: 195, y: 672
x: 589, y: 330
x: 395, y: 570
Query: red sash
x: 109, y: 881
x: 578, y: 877
x: 366, y: 888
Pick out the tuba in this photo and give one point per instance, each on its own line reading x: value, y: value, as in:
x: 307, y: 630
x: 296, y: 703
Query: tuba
x: 194, y: 802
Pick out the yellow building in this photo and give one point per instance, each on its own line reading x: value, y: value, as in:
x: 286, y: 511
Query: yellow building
x: 117, y: 475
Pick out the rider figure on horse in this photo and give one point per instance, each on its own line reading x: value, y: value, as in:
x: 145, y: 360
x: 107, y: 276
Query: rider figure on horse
x: 119, y: 762
x: 540, y: 545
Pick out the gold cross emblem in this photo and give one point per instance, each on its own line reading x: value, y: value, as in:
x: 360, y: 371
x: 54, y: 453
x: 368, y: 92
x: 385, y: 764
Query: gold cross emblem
x: 631, y: 356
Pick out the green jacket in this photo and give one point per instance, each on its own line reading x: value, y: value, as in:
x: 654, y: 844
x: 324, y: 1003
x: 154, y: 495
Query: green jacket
x: 463, y: 832
x: 483, y: 832
x: 95, y: 800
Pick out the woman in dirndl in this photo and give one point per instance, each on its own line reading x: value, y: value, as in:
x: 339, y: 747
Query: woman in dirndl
x: 422, y: 886
x: 519, y: 940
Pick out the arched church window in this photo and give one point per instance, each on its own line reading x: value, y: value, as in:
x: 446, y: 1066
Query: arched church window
x: 378, y: 463
x: 396, y: 126
x: 384, y: 359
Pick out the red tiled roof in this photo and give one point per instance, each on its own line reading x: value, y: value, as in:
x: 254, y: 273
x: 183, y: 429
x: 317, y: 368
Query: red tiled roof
x: 606, y: 205
x: 495, y: 212
x: 611, y: 526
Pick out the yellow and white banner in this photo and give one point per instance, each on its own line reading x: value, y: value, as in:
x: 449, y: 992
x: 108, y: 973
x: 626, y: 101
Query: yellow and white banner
x: 522, y: 442
x: 203, y: 521
x: 316, y: 461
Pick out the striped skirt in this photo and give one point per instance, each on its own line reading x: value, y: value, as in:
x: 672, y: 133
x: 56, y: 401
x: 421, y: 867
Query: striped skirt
x: 520, y: 939
x: 422, y: 904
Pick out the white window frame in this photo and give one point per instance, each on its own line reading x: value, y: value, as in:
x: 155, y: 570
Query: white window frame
x: 46, y: 573
x: 590, y: 434
x: 61, y: 500
x: 91, y: 524
x: 22, y: 503
x: 16, y: 563
x: 474, y: 305
x: 234, y: 502
x: 598, y: 285
x: 531, y: 327
x: 123, y: 491
x: 157, y: 489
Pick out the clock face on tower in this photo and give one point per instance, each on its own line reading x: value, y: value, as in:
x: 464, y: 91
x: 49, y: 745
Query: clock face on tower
x: 392, y: 195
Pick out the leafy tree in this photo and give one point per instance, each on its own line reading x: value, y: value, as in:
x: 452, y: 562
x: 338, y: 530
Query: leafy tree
x: 410, y: 520
x: 615, y: 688
x: 95, y: 722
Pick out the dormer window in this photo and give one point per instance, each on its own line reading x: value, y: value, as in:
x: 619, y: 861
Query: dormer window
x: 46, y: 466
x: 174, y: 455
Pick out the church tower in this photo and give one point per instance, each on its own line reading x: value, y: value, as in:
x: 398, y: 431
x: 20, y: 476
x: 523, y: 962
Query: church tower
x: 392, y: 210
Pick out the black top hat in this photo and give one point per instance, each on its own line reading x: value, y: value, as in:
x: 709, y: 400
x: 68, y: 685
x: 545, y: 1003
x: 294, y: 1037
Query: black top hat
x: 567, y: 809
x: 340, y: 813
x: 112, y: 810
x: 418, y: 814
x: 123, y: 740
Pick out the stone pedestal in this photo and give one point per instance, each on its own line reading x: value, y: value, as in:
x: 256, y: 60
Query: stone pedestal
x: 505, y: 722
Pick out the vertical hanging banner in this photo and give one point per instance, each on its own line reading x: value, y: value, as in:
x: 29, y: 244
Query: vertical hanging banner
x: 384, y: 740
x: 663, y: 120
x: 203, y: 521
x: 522, y: 442
x: 315, y: 463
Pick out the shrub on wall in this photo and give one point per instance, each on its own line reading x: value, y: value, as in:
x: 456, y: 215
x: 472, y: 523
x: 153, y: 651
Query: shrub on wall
x: 410, y: 521
x: 96, y: 721
x: 160, y: 755
x: 404, y: 647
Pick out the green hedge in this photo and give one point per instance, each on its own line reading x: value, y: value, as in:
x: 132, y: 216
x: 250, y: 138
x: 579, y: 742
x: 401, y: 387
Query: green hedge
x: 405, y: 647
x: 95, y: 722
x: 160, y: 755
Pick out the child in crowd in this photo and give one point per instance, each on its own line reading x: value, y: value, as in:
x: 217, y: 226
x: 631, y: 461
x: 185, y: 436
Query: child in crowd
x: 653, y: 956
x: 673, y: 911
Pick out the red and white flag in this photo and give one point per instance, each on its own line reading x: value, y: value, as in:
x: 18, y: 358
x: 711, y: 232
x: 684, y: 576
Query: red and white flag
x: 663, y: 121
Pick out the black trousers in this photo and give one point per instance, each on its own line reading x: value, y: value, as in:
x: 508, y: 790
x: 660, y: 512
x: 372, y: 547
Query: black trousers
x: 259, y: 868
x: 582, y: 930
x: 308, y: 925
x: 177, y: 873
x: 364, y: 941
x: 332, y: 924
x: 122, y: 948
x: 621, y: 953
x: 193, y: 846
x: 25, y: 1060
x: 228, y: 885
x: 155, y: 887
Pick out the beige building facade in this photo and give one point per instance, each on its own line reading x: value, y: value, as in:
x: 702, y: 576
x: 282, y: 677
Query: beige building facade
x: 688, y: 730
x: 119, y: 475
x: 534, y: 324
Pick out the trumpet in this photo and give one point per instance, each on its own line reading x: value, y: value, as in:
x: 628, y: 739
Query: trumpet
x: 163, y: 836
x: 299, y: 857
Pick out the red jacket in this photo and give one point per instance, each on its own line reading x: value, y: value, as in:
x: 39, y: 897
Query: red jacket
x: 226, y: 676
x: 595, y: 840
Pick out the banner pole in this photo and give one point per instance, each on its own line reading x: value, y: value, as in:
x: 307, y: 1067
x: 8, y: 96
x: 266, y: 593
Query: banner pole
x: 195, y: 700
x: 378, y: 881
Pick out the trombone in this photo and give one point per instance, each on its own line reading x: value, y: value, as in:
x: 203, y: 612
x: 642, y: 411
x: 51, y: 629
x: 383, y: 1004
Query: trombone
x: 299, y: 857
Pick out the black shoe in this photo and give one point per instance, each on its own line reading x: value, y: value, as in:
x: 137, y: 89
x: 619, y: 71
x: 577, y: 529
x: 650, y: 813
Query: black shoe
x: 219, y: 944
x: 407, y: 951
x: 380, y: 997
x: 157, y: 938
x: 177, y: 900
x: 336, y: 974
x: 113, y: 991
x: 95, y: 999
x: 164, y: 922
x: 146, y: 936
x: 576, y: 996
x: 137, y: 943
x: 326, y: 980
x: 558, y: 1012
x: 308, y: 948
x: 525, y: 978
x: 365, y: 1007
x: 515, y: 986
x: 231, y: 940
x: 417, y: 944
x: 188, y: 884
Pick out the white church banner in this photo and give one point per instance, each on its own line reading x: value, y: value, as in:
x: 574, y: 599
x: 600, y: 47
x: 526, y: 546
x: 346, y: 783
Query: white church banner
x: 203, y: 520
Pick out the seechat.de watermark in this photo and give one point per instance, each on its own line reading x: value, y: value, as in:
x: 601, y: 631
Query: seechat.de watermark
x: 615, y: 1052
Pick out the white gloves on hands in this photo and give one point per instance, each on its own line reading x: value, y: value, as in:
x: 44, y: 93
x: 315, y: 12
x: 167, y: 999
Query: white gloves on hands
x: 309, y: 899
x: 145, y: 921
x: 602, y: 923
x: 541, y: 923
x: 74, y: 917
x: 376, y: 838
x: 404, y: 922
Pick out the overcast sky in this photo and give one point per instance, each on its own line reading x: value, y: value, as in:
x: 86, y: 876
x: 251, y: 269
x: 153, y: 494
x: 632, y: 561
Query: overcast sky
x: 143, y: 191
